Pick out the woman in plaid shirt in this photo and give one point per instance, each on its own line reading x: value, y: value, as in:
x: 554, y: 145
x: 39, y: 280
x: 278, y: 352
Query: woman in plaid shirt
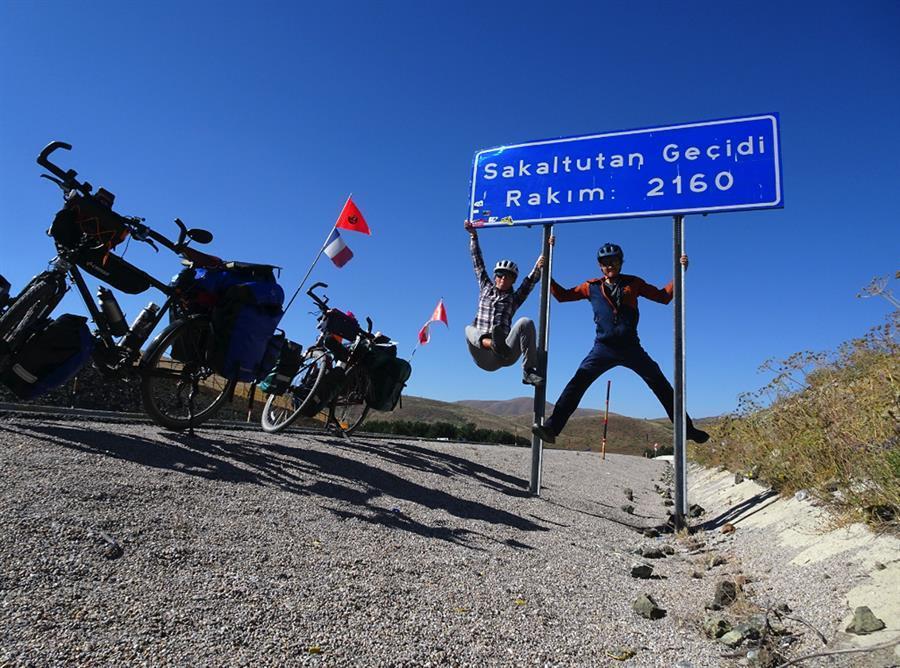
x: 493, y: 342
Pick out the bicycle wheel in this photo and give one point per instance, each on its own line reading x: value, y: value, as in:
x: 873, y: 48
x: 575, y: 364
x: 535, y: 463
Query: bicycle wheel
x: 349, y: 409
x: 178, y: 388
x: 280, y: 411
x: 38, y: 299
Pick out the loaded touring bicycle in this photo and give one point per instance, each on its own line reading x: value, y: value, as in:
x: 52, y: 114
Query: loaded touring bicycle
x: 222, y: 315
x: 347, y: 372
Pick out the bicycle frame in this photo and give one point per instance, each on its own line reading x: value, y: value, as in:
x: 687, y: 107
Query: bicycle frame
x: 97, y: 315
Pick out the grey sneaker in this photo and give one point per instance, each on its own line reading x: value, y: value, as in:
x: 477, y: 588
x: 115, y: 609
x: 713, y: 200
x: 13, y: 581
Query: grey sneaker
x: 532, y: 377
x: 498, y: 342
x: 544, y: 433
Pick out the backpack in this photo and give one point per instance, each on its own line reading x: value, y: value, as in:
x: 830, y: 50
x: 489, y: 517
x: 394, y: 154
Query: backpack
x: 243, y: 322
x: 50, y: 357
x: 279, y: 378
x: 388, y: 375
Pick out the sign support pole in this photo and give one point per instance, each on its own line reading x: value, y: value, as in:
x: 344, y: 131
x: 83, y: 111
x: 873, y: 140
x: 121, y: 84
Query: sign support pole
x: 540, y: 391
x: 680, y: 459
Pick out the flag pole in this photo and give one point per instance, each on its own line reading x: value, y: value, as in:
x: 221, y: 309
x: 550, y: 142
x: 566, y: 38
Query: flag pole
x: 605, y: 422
x: 318, y: 255
x: 311, y: 267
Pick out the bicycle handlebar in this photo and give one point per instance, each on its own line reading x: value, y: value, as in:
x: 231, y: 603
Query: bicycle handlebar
x: 320, y: 302
x: 67, y: 181
x: 67, y: 177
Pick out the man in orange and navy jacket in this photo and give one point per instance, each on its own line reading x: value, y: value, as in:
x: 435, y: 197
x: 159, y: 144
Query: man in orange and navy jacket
x: 614, y: 299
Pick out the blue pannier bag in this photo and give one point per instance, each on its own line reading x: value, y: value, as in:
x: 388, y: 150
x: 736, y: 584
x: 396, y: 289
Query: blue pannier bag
x: 243, y: 322
x: 50, y: 357
x: 203, y: 288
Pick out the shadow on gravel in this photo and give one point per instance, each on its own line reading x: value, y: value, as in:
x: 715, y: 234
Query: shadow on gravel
x: 300, y: 471
x: 640, y: 528
x: 439, y: 463
x: 741, y: 511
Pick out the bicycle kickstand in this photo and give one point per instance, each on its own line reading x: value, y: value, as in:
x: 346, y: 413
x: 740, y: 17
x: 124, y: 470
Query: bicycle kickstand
x: 193, y: 391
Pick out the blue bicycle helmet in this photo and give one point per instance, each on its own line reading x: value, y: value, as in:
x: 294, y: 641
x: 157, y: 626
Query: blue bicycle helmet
x: 610, y: 250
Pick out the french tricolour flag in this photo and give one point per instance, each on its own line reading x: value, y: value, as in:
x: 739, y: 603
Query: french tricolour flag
x: 337, y: 250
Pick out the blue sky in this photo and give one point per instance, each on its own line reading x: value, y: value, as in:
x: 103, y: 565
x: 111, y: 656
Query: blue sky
x: 257, y: 121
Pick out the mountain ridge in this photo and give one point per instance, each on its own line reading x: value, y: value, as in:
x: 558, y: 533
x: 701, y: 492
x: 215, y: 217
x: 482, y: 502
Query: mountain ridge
x: 517, y: 406
x: 626, y: 435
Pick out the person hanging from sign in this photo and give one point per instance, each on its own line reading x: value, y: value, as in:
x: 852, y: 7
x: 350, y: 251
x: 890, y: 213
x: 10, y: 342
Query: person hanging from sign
x: 614, y: 299
x: 492, y: 340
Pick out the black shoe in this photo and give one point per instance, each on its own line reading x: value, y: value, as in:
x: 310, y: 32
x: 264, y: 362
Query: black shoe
x: 532, y: 377
x: 697, y: 435
x: 498, y: 342
x: 543, y: 432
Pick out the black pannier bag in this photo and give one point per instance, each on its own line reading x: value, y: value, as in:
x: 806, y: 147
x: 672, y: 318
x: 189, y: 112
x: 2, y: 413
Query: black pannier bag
x: 340, y: 324
x: 50, y: 357
x: 279, y: 378
x: 388, y: 375
x: 193, y: 343
x: 327, y: 389
x: 4, y: 291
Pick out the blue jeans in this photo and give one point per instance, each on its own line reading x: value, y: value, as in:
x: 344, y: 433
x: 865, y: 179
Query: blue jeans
x: 601, y: 359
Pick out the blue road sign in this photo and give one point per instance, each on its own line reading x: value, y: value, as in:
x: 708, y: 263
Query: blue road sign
x: 725, y: 165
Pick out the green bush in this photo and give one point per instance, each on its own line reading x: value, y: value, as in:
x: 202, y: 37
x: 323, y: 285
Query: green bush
x: 466, y: 432
x: 824, y: 421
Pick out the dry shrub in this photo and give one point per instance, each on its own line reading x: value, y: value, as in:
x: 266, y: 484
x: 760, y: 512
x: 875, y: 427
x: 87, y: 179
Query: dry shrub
x: 826, y: 422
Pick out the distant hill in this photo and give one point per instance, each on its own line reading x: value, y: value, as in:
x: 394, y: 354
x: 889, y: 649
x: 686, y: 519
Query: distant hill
x: 516, y: 407
x: 626, y: 435
x: 584, y: 432
x: 431, y: 410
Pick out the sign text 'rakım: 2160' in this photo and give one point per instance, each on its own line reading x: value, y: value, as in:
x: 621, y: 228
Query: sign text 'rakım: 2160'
x: 724, y: 165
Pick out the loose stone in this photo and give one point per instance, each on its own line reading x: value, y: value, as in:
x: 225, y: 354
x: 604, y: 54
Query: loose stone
x: 646, y: 607
x: 643, y: 571
x: 715, y: 627
x: 864, y: 622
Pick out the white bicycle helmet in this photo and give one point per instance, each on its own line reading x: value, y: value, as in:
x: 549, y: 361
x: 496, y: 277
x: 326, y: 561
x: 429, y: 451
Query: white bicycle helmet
x: 508, y: 266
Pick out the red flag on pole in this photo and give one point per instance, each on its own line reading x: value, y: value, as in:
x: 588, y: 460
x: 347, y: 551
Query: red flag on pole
x: 439, y: 315
x: 352, y: 219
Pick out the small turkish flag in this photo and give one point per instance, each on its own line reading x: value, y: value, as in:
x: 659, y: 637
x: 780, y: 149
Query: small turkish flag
x: 439, y: 315
x: 352, y: 219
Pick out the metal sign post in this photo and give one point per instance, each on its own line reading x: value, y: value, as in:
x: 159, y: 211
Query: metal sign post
x: 730, y: 164
x: 540, y: 391
x: 680, y: 458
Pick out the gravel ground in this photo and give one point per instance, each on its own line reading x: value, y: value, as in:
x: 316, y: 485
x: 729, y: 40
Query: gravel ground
x: 124, y: 544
